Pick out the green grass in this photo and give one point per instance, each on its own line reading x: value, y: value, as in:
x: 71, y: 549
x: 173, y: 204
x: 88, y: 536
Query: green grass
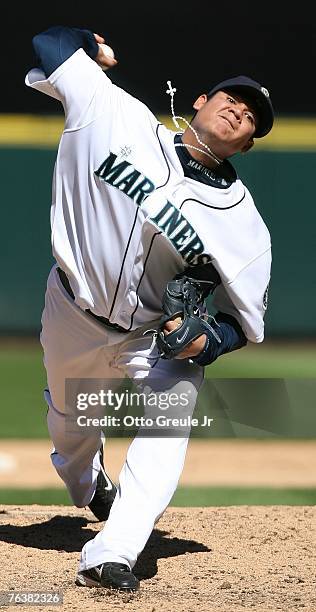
x: 23, y: 378
x: 269, y: 360
x: 235, y: 496
x: 44, y: 497
x: 184, y: 496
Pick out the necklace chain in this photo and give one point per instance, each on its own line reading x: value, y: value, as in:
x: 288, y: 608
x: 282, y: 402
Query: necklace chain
x: 206, y: 150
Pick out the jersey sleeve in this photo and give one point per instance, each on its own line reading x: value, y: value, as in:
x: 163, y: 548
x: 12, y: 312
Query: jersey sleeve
x: 245, y: 298
x: 228, y: 337
x: 79, y: 84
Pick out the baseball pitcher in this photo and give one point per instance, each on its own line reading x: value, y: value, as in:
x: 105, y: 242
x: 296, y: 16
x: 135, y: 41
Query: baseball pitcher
x: 146, y: 223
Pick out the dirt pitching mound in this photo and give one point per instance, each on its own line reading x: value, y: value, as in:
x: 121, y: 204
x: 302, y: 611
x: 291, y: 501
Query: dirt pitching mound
x: 197, y: 559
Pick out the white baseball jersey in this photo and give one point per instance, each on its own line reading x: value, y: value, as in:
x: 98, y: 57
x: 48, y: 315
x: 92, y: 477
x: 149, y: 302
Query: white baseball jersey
x: 125, y: 219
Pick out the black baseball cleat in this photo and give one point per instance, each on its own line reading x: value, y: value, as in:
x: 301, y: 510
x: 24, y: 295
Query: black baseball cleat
x: 105, y: 492
x: 110, y: 575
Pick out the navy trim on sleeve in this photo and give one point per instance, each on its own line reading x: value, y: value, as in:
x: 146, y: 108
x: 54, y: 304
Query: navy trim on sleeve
x: 54, y: 46
x: 231, y: 335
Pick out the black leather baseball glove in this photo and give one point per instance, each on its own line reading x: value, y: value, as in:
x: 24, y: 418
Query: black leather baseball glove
x: 184, y: 297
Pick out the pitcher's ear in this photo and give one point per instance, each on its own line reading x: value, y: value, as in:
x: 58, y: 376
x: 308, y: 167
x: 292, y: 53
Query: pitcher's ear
x: 199, y: 102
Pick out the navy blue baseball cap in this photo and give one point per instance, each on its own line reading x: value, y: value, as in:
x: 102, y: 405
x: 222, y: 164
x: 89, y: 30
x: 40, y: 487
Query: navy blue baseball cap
x: 257, y: 94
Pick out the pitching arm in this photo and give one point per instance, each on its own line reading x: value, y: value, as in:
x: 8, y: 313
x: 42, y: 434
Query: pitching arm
x: 69, y: 69
x: 57, y: 44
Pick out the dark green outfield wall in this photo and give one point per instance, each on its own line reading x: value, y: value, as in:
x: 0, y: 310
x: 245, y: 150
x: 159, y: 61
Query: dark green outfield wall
x: 24, y: 236
x: 282, y: 184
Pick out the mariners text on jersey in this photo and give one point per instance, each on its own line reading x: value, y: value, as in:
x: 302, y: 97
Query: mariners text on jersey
x: 169, y: 220
x: 125, y: 177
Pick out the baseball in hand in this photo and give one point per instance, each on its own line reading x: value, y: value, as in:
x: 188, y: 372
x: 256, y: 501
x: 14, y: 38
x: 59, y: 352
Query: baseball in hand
x: 106, y: 50
x: 105, y: 57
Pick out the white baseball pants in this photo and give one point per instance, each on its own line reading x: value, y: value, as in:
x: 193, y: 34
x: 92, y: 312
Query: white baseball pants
x: 77, y: 346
